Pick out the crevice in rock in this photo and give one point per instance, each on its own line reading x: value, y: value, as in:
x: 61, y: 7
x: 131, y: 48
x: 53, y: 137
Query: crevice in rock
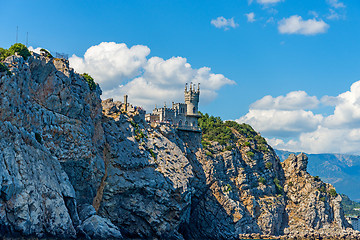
x: 100, y: 191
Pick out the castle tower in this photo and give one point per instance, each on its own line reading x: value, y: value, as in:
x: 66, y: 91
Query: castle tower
x: 126, y: 102
x: 192, y: 99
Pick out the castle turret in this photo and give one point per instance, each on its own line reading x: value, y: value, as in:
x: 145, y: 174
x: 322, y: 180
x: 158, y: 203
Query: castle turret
x: 192, y: 99
x: 126, y: 102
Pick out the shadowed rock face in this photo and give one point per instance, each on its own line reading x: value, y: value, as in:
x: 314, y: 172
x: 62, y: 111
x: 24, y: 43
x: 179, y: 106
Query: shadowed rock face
x: 70, y: 167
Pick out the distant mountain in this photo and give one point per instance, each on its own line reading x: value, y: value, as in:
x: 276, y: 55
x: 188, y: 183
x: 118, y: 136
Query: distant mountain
x: 340, y: 170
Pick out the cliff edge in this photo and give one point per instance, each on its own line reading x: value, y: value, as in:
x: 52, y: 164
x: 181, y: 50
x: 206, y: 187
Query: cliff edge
x: 73, y: 166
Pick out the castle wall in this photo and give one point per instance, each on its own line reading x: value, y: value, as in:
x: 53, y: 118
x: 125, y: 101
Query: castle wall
x: 181, y: 114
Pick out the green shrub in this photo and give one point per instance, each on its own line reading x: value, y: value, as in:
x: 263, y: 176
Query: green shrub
x: 262, y: 147
x: 205, y: 144
x: 3, y: 68
x: 317, y: 178
x: 152, y: 154
x: 268, y: 165
x: 47, y: 53
x: 279, y: 188
x: 90, y: 81
x: 214, y: 129
x: 208, y: 153
x: 322, y: 189
x: 262, y: 180
x: 247, y: 144
x: 21, y: 49
x: 333, y: 192
x: 260, y: 140
x: 227, y: 188
x: 228, y: 148
x: 322, y: 199
x: 290, y: 184
x: 4, y: 53
x: 134, y: 124
x: 250, y: 154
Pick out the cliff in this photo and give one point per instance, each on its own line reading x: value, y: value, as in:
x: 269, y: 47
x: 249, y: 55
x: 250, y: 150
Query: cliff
x: 75, y: 167
x: 341, y: 170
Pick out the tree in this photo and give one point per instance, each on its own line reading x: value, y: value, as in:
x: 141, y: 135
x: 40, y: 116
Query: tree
x: 333, y: 192
x: 21, y: 49
x: 4, y: 53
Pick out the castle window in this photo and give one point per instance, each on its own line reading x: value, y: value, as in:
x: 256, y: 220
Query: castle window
x: 180, y: 123
x: 194, y: 110
x: 186, y: 123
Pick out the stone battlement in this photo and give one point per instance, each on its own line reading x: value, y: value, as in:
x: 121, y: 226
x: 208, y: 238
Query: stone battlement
x: 184, y: 116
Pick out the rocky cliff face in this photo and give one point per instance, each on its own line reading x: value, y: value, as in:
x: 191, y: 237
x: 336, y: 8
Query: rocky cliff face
x: 73, y: 166
x: 313, y: 206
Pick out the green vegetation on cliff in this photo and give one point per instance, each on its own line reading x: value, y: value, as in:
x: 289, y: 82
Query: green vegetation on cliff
x: 46, y: 52
x: 229, y: 132
x: 19, y: 48
x: 90, y: 81
x: 4, y: 68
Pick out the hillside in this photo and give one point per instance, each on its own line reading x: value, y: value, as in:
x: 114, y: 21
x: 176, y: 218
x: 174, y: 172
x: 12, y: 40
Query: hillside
x: 350, y: 207
x: 73, y: 166
x: 340, y: 170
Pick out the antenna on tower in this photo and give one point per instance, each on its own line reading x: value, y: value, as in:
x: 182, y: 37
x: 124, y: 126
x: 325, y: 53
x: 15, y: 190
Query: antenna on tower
x: 17, y: 30
x: 27, y: 39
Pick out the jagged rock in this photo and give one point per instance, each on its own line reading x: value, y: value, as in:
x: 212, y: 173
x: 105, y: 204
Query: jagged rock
x: 310, y: 205
x: 33, y: 188
x: 86, y: 211
x: 147, y: 189
x: 97, y: 227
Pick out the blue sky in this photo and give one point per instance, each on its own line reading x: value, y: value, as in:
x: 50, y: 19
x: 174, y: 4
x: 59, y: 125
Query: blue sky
x: 304, y: 54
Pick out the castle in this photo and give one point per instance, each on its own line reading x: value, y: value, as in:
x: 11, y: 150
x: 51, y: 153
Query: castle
x: 184, y: 116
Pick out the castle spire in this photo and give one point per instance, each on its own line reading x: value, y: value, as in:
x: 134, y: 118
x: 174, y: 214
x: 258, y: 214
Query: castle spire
x: 198, y: 87
x: 191, y: 84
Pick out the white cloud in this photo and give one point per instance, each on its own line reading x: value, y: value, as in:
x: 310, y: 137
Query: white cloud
x: 224, y: 23
x: 336, y: 15
x: 323, y: 140
x: 336, y: 3
x: 347, y: 110
x: 111, y: 63
x: 282, y: 123
x: 296, y: 25
x: 35, y: 50
x: 269, y: 1
x: 286, y: 124
x: 121, y: 70
x: 250, y: 17
x: 295, y: 100
x: 314, y: 13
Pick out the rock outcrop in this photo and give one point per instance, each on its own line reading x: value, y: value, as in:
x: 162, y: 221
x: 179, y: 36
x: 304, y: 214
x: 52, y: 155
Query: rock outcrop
x: 313, y: 206
x: 72, y: 166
